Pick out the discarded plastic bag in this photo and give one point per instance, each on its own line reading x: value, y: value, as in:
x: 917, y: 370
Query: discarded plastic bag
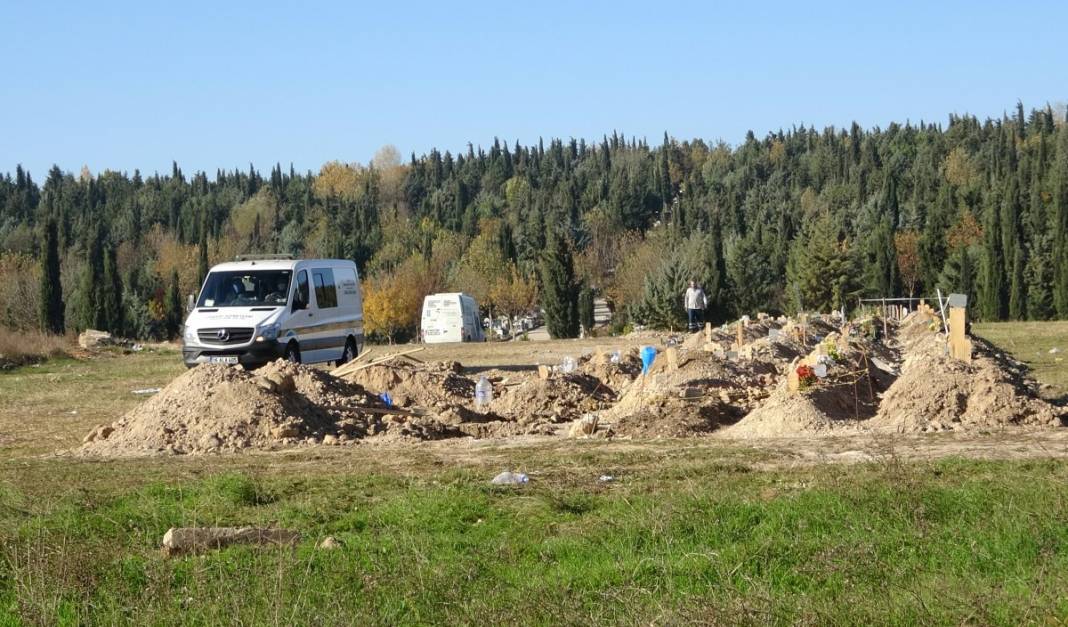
x: 510, y: 478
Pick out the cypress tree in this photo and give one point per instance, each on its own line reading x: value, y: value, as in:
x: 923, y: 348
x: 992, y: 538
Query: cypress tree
x: 715, y: 279
x: 958, y: 275
x: 1038, y: 273
x: 992, y: 287
x: 882, y: 271
x: 1017, y: 286
x: 1060, y: 226
x: 110, y: 294
x: 174, y: 306
x: 661, y: 301
x: 51, y: 312
x: 933, y: 251
x: 585, y: 308
x: 1013, y: 250
x: 821, y: 269
x: 90, y: 313
x: 559, y: 288
x: 202, y: 258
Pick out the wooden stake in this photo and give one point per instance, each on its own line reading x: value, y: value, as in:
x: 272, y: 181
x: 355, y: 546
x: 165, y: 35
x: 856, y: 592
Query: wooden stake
x: 672, y: 355
x: 351, y: 367
x: 959, y: 345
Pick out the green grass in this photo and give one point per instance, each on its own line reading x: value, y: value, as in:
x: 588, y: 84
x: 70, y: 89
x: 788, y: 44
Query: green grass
x: 1030, y: 342
x: 689, y: 532
x: 947, y: 542
x: 52, y: 405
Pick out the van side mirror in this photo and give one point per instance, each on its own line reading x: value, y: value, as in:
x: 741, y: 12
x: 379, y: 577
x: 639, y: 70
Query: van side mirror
x: 190, y: 303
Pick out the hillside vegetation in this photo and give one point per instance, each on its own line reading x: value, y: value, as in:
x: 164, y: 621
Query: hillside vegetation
x: 796, y: 218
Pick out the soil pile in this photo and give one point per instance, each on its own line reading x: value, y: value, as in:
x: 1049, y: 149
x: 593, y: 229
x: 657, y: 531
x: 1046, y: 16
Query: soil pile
x: 938, y: 393
x: 436, y: 386
x: 702, y: 394
x: 216, y: 408
x: 561, y: 398
x: 842, y: 400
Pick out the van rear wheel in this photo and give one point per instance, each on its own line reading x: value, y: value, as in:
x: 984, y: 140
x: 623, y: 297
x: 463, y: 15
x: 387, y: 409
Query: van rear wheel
x: 350, y: 352
x: 292, y: 353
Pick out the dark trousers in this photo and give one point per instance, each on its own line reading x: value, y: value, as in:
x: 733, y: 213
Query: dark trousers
x: 695, y: 316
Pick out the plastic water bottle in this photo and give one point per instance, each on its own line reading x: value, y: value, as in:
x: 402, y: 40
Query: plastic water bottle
x: 483, y: 392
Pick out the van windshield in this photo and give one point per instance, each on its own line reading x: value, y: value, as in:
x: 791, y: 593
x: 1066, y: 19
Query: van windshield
x: 246, y: 288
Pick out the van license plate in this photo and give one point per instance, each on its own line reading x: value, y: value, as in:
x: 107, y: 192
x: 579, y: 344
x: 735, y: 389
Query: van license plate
x: 223, y: 359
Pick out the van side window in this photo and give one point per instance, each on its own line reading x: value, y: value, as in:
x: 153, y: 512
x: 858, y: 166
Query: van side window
x: 325, y: 291
x: 302, y: 288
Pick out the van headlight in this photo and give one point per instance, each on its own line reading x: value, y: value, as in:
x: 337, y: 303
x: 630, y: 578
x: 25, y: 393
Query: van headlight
x: 268, y: 333
x: 189, y: 335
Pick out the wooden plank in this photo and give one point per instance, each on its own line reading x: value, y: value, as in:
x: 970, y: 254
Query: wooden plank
x: 344, y: 370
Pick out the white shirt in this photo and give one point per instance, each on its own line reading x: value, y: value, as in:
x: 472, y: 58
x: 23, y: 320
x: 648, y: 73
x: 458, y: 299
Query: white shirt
x: 695, y: 298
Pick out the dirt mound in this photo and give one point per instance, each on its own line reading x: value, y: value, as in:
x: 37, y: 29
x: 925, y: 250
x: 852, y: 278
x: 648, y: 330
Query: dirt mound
x: 938, y: 393
x: 561, y: 398
x: 786, y: 414
x: 434, y: 385
x: 215, y: 408
x: 844, y: 399
x: 702, y: 394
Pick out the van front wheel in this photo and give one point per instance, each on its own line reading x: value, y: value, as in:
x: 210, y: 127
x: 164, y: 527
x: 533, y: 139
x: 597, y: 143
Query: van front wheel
x: 349, y: 354
x: 292, y: 353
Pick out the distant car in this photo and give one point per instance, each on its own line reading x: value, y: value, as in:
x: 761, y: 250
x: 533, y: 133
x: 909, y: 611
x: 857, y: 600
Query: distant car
x: 253, y: 311
x: 451, y: 317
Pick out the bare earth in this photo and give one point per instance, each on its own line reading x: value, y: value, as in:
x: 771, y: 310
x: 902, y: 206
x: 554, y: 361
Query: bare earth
x: 885, y: 402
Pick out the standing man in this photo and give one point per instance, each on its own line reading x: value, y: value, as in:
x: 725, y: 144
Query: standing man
x: 694, y: 301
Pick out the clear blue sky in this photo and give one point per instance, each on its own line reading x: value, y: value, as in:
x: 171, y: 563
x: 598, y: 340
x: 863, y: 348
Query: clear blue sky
x: 216, y: 84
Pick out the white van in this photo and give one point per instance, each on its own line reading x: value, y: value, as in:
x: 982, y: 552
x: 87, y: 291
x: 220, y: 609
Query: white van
x: 451, y: 318
x: 253, y: 311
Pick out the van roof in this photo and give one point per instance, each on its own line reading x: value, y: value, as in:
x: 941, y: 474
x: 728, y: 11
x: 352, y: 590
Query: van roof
x: 447, y: 294
x: 278, y: 264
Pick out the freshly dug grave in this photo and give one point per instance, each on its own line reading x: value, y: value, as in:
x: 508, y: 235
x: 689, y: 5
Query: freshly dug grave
x: 560, y: 398
x: 845, y: 400
x: 938, y: 393
x: 702, y: 394
x: 433, y: 385
x: 216, y: 408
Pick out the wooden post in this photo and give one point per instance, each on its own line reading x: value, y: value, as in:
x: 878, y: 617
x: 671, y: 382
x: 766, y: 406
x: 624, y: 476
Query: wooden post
x: 960, y: 347
x: 708, y: 332
x: 672, y: 354
x: 793, y: 382
x: 740, y: 336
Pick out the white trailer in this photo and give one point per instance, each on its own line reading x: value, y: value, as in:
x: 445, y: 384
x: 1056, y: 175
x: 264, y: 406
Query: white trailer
x: 451, y: 317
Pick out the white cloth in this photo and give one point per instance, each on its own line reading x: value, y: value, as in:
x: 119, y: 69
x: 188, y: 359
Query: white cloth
x: 695, y: 298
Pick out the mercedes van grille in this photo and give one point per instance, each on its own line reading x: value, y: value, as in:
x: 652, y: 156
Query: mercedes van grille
x: 225, y: 336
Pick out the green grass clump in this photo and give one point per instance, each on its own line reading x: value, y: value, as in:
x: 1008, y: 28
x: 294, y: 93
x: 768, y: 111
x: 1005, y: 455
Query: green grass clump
x: 946, y: 542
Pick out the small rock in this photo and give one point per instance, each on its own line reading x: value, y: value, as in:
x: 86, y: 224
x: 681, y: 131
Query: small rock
x: 101, y: 432
x: 329, y: 543
x: 91, y: 338
x: 209, y: 442
x: 285, y: 431
x: 329, y: 440
x: 510, y: 478
x: 283, y: 382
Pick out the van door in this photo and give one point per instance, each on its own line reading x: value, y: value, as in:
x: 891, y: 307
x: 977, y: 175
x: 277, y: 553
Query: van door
x: 301, y: 313
x: 350, y: 305
x: 329, y: 331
